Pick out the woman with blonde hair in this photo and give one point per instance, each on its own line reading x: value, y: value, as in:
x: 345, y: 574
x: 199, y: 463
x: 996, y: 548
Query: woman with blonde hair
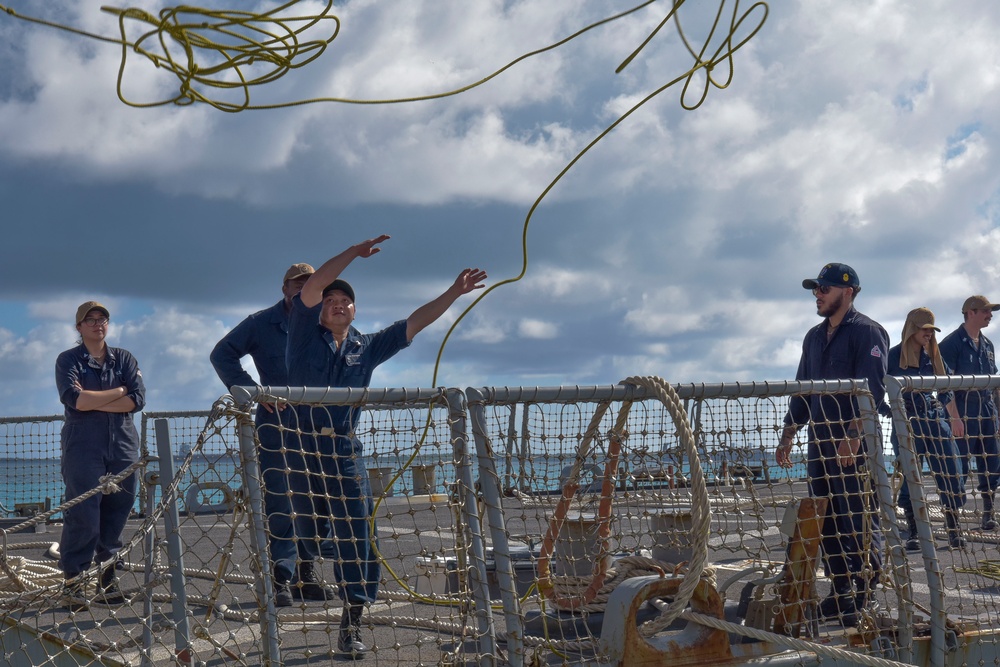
x: 934, y: 422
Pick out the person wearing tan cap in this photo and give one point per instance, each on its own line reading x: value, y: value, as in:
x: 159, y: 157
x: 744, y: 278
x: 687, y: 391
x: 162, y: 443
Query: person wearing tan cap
x: 101, y: 388
x: 263, y: 336
x: 968, y: 351
x: 934, y: 422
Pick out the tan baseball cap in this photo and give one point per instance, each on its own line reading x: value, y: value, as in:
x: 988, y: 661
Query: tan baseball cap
x: 86, y: 307
x: 979, y: 302
x: 299, y: 270
x: 921, y: 318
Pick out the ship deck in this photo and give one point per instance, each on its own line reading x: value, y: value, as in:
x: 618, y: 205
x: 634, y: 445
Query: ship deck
x: 437, y: 627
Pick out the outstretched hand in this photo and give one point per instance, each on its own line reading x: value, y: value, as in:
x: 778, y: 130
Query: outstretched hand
x: 783, y: 455
x: 470, y: 279
x: 367, y: 248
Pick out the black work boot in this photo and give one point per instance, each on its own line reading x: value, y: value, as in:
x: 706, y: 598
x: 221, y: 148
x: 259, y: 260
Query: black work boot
x: 310, y: 587
x: 840, y: 604
x: 955, y: 539
x: 282, y: 591
x: 864, y: 598
x: 75, y: 590
x: 349, y: 640
x: 108, y: 590
x: 989, y: 523
x: 912, y: 541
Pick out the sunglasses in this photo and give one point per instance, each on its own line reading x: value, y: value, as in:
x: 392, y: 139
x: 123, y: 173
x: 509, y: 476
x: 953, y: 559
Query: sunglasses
x: 821, y: 289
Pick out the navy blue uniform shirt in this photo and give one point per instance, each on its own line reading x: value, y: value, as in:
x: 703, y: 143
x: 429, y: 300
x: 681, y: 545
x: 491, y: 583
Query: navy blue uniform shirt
x: 264, y: 336
x: 963, y: 358
x: 120, y: 369
x: 315, y: 361
x: 920, y: 403
x: 857, y: 350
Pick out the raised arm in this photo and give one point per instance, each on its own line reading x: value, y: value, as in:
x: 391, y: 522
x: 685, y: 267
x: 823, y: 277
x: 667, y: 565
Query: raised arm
x: 312, y: 291
x: 467, y: 281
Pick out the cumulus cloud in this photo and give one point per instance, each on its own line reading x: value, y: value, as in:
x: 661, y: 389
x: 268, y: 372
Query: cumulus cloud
x: 537, y: 329
x: 850, y: 131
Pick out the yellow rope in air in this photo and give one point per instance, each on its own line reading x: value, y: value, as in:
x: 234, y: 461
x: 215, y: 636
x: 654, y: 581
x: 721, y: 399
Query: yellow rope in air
x: 723, y: 54
x: 220, y: 48
x: 269, y: 42
x: 236, y: 50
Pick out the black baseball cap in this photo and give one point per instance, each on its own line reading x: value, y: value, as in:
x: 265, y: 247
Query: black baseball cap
x: 834, y: 274
x: 341, y: 285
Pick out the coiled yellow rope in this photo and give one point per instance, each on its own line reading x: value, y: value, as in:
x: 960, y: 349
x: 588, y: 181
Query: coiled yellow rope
x: 237, y: 50
x: 228, y: 50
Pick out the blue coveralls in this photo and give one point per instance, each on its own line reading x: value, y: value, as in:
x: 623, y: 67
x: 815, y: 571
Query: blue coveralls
x: 264, y: 336
x: 932, y: 438
x: 330, y: 462
x: 975, y: 406
x: 95, y: 444
x: 857, y: 350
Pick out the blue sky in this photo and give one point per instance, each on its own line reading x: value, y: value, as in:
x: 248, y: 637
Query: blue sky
x: 852, y: 131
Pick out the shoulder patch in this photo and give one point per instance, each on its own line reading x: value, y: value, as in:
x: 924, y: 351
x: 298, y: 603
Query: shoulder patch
x: 876, y: 352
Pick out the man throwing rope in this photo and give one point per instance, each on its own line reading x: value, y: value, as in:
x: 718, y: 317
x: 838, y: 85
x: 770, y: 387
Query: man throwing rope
x: 325, y: 350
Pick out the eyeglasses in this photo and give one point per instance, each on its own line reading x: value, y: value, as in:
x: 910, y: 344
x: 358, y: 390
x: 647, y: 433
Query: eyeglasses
x: 95, y: 321
x: 822, y: 289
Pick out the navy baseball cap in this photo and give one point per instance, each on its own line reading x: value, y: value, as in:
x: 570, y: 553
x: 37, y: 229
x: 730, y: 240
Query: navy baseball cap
x: 834, y: 274
x: 341, y: 285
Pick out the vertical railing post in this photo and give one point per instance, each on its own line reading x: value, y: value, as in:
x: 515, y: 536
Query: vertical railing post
x: 469, y: 508
x: 252, y: 482
x: 511, y: 481
x: 877, y: 467
x: 171, y: 519
x: 490, y: 483
x: 910, y: 465
x: 150, y: 480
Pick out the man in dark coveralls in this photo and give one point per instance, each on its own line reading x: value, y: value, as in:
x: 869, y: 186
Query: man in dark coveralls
x: 845, y: 345
x: 329, y: 477
x: 264, y: 336
x: 967, y: 351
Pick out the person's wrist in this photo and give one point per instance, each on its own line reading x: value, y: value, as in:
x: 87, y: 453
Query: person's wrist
x: 853, y: 434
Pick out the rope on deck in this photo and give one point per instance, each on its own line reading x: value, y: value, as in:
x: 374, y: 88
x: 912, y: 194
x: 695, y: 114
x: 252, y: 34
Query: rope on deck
x: 792, y: 642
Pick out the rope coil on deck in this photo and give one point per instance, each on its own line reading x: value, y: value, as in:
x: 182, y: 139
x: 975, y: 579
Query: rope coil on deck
x: 701, y: 516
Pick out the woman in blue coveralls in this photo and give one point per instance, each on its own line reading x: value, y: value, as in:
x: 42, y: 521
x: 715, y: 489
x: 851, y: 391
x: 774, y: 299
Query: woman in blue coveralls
x: 101, y: 387
x: 932, y: 428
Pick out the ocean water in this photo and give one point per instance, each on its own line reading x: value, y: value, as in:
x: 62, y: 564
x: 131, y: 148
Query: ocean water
x: 40, y: 480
